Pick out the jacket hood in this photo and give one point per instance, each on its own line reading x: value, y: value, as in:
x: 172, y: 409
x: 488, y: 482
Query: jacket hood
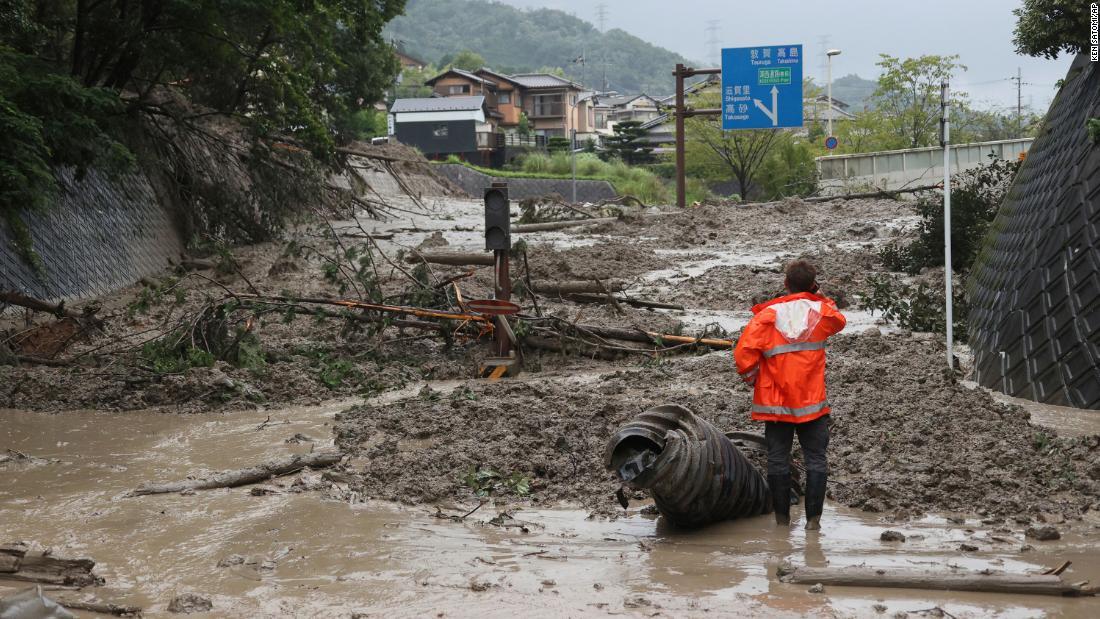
x: 795, y: 316
x: 759, y: 307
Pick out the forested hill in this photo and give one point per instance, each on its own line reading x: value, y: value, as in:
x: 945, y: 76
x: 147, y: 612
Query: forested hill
x: 513, y: 40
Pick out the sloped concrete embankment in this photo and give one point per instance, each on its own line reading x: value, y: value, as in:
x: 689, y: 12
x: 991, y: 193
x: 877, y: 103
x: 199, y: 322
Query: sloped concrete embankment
x: 1035, y: 292
x: 101, y: 234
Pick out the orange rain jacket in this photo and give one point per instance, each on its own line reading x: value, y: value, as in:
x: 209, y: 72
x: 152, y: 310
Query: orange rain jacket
x: 782, y: 352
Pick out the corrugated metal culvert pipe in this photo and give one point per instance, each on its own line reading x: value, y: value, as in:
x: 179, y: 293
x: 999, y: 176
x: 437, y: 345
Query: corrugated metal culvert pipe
x: 695, y: 474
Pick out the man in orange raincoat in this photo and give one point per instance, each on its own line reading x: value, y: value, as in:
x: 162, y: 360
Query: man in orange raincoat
x: 781, y: 352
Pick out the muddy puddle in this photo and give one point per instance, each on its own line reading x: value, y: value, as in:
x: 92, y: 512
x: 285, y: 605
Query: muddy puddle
x: 309, y: 554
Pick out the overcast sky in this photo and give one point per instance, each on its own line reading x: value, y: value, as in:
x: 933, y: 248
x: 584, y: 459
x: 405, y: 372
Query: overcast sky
x: 980, y: 31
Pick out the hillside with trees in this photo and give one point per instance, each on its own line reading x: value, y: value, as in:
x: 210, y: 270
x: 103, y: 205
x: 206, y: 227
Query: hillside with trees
x: 512, y: 40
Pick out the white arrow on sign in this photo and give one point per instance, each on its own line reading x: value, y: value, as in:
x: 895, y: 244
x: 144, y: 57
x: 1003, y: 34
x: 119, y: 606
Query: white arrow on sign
x: 773, y: 113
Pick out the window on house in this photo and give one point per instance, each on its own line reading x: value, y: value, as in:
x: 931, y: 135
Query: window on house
x: 504, y: 98
x: 460, y: 89
x: 548, y: 105
x: 440, y: 131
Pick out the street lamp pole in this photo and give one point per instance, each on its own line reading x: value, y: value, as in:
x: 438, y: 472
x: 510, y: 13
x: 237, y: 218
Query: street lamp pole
x: 829, y: 81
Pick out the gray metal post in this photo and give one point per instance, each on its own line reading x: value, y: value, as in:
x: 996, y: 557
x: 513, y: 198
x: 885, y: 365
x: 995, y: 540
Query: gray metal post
x: 947, y: 271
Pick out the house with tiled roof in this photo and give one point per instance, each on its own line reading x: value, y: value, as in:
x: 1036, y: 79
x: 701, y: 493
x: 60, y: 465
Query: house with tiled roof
x: 554, y: 107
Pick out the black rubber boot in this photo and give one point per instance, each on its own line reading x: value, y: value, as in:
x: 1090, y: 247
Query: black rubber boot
x: 815, y: 498
x: 780, y: 486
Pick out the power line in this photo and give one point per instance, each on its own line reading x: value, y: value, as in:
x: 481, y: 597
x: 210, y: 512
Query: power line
x: 712, y: 42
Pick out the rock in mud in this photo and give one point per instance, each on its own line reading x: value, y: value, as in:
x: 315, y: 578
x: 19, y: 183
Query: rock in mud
x: 188, y: 603
x: 968, y: 548
x: 818, y: 588
x: 1043, y: 533
x: 892, y: 536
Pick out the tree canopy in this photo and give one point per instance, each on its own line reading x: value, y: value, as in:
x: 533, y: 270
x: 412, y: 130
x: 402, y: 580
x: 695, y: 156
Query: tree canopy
x: 1048, y: 27
x: 75, y: 75
x: 908, y: 95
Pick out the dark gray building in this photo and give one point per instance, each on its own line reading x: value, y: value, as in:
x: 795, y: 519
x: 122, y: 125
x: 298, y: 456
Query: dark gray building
x: 443, y: 126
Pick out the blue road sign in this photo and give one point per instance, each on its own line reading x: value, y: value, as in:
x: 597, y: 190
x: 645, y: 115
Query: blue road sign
x: 762, y: 87
x: 831, y: 142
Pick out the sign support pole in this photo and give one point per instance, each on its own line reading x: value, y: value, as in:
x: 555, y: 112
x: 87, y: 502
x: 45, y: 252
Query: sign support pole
x: 681, y: 192
x: 947, y: 271
x: 681, y: 112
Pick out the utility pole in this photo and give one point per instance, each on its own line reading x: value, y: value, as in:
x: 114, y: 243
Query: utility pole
x: 945, y: 141
x: 712, y: 41
x: 829, y: 104
x: 1019, y: 103
x: 601, y: 16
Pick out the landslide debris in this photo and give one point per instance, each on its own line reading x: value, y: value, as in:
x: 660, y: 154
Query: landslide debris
x: 906, y: 438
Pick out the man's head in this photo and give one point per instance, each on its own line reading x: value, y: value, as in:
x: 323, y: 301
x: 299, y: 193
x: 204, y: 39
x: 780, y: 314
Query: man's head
x: 801, y: 277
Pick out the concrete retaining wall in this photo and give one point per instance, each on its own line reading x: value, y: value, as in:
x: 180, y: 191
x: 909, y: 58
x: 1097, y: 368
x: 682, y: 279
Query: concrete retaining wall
x: 474, y: 183
x: 102, y: 234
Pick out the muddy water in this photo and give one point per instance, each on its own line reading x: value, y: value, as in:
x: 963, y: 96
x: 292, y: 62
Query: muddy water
x: 309, y: 555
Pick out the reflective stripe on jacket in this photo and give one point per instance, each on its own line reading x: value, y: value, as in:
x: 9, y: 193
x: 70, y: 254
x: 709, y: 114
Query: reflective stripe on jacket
x: 782, y: 353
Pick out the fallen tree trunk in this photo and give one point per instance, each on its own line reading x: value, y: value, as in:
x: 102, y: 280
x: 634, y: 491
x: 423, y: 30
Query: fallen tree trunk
x: 242, y: 477
x: 197, y: 264
x: 547, y: 226
x: 38, y: 305
x: 998, y: 582
x: 18, y: 562
x: 643, y: 303
x: 102, y: 608
x: 453, y: 258
x: 651, y: 337
x: 891, y: 193
x: 573, y: 287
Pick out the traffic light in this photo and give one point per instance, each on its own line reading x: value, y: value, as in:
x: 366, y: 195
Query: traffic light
x: 498, y: 233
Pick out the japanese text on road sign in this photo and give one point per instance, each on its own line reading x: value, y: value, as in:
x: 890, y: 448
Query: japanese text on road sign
x: 762, y: 87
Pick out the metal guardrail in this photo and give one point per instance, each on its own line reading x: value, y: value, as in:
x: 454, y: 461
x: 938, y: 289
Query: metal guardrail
x: 897, y: 169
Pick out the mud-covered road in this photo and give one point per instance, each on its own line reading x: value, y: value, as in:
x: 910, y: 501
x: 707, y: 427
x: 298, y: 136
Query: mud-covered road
x: 915, y: 448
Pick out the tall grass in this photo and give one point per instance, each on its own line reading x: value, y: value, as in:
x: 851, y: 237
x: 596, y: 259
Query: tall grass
x: 636, y: 181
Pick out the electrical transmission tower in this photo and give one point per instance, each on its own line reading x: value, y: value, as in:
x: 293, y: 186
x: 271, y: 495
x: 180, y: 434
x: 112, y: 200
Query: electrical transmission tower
x: 712, y: 51
x: 601, y: 16
x: 823, y: 43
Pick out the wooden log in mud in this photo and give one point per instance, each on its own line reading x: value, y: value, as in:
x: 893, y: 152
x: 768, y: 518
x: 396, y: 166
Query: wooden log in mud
x: 884, y: 193
x: 592, y: 286
x: 651, y: 337
x: 18, y: 562
x: 243, y: 477
x: 99, y: 607
x: 631, y: 301
x: 197, y: 264
x: 57, y: 309
x: 994, y: 582
x: 547, y: 226
x: 453, y: 258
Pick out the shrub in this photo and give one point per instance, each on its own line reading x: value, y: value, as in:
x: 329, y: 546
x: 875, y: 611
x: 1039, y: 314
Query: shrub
x: 918, y: 308
x: 790, y: 170
x: 975, y: 197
